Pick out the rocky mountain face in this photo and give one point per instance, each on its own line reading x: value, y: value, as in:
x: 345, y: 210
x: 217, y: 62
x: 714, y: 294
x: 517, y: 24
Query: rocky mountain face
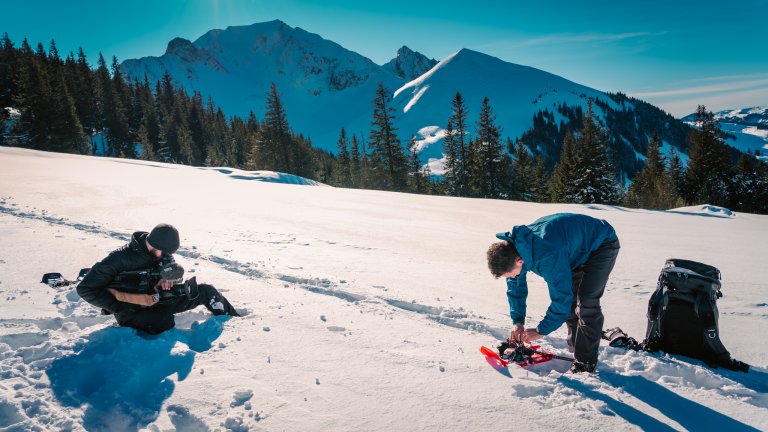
x: 409, y: 64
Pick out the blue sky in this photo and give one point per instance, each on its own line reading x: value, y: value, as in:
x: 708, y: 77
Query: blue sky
x: 675, y: 54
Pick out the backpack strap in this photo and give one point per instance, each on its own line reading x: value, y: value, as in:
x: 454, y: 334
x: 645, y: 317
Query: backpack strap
x: 706, y: 309
x: 656, y: 304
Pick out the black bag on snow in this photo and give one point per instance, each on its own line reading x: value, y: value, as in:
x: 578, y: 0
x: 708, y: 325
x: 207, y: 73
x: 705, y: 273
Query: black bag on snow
x: 682, y: 314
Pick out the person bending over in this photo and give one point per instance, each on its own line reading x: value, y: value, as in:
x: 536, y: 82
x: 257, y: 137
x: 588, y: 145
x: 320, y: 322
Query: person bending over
x: 575, y: 255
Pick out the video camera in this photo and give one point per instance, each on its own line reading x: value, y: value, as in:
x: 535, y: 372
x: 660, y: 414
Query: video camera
x: 144, y: 281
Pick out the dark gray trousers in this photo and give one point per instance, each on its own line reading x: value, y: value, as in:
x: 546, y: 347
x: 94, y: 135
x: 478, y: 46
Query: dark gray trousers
x: 585, y: 324
x: 159, y: 318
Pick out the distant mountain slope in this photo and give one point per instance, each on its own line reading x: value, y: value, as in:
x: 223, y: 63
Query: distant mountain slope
x: 748, y: 128
x: 516, y: 93
x: 325, y: 87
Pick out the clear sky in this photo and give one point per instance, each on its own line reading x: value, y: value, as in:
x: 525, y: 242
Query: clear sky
x: 676, y: 54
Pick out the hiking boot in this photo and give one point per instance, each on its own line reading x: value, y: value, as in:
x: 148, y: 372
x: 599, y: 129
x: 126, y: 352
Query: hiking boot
x: 578, y: 367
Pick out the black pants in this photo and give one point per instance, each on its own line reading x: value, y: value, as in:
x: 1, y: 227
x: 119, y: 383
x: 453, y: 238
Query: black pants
x: 585, y: 324
x: 159, y: 318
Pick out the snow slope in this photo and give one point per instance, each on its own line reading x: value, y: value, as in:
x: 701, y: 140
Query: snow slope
x: 516, y: 94
x: 364, y: 310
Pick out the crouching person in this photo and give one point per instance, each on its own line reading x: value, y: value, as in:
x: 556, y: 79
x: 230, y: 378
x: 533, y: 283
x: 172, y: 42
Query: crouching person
x: 117, y: 284
x: 575, y: 255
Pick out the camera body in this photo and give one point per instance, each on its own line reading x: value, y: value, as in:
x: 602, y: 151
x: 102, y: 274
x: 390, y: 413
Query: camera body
x: 143, y: 281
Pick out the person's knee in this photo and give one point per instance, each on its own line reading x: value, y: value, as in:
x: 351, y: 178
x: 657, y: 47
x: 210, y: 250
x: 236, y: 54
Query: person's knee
x: 206, y: 290
x: 587, y: 313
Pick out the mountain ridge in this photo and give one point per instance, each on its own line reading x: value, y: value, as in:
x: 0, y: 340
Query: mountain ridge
x: 325, y: 87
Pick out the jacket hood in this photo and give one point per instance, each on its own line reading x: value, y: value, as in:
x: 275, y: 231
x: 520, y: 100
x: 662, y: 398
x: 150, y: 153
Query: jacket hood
x: 138, y: 242
x: 522, y: 238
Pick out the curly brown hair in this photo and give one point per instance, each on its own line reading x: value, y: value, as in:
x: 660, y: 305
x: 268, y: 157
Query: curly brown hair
x: 501, y: 258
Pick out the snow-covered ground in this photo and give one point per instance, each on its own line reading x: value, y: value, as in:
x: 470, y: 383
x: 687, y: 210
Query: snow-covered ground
x: 365, y: 310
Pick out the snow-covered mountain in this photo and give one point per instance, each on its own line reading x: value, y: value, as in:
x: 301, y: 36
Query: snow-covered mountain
x: 364, y: 310
x: 749, y: 127
x: 325, y: 86
x: 409, y: 64
x: 516, y: 94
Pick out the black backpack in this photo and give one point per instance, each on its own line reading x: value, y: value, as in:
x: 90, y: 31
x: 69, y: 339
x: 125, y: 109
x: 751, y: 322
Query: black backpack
x: 682, y: 314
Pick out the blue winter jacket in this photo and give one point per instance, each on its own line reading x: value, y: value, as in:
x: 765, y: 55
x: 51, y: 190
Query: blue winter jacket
x: 551, y: 247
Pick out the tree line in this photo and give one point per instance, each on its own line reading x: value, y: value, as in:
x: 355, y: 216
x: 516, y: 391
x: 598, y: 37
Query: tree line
x: 63, y: 105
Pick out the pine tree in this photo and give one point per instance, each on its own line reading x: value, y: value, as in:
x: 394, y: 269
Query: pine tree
x: 344, y: 172
x: 491, y: 164
x: 355, y: 163
x: 561, y: 183
x: 418, y: 182
x: 303, y: 157
x: 66, y: 132
x: 709, y: 167
x: 653, y: 187
x: 594, y: 177
x: 388, y: 162
x: 275, y: 136
x: 676, y: 171
x: 33, y: 98
x: 113, y: 119
x: 749, y: 187
x: 523, y: 173
x: 455, y: 147
x: 84, y: 94
x: 540, y: 187
x: 8, y: 70
x: 147, y: 153
x: 184, y: 137
x: 245, y: 136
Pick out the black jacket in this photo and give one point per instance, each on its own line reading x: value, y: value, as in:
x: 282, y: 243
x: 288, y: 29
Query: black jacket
x: 133, y: 256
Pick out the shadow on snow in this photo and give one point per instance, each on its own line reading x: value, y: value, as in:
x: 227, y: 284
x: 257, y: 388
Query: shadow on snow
x: 689, y: 414
x: 122, y: 377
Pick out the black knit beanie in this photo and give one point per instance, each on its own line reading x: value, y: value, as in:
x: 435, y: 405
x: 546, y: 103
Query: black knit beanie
x: 164, y: 237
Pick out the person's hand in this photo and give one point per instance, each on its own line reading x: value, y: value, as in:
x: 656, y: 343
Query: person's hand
x: 522, y: 334
x: 532, y: 334
x: 164, y: 284
x: 518, y: 333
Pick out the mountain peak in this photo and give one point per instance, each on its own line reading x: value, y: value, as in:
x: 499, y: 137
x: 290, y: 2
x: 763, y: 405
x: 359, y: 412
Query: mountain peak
x: 409, y: 64
x: 467, y: 53
x: 179, y: 45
